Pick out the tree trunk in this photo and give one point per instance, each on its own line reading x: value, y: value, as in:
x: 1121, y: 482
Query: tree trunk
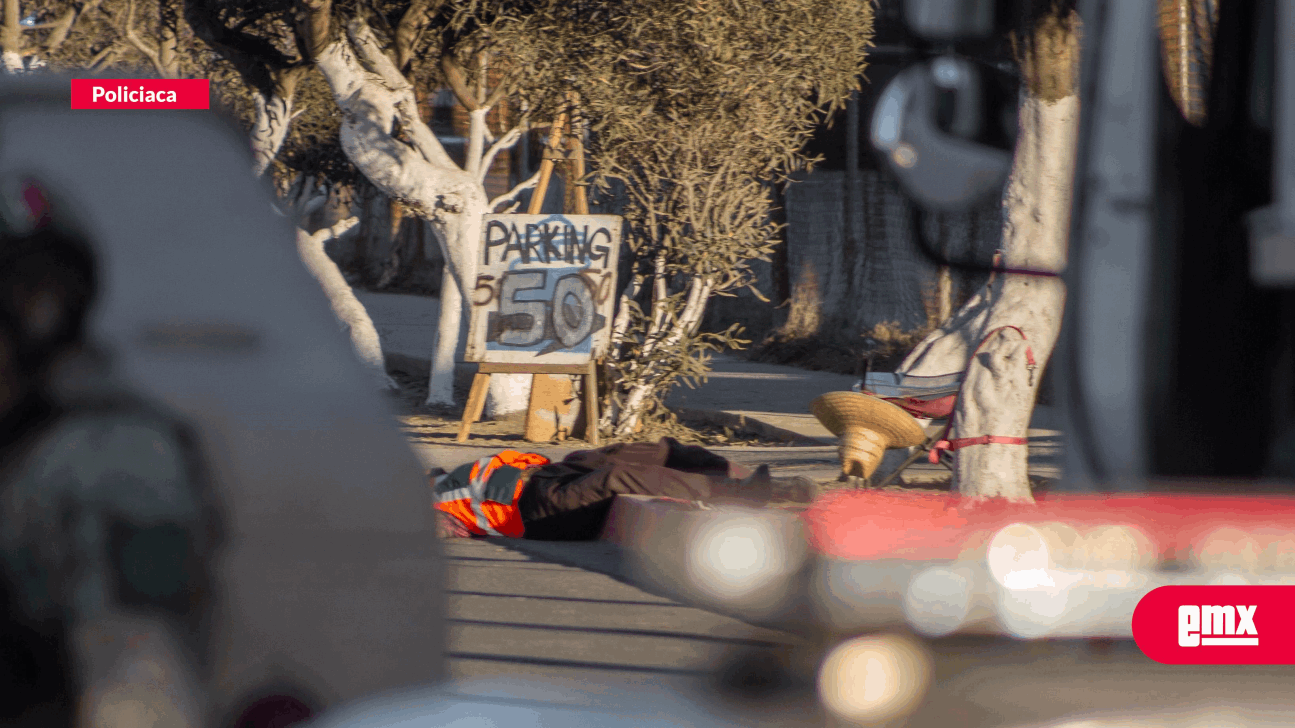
x: 999, y: 391
x: 11, y: 37
x: 508, y: 393
x: 444, y: 348
x: 847, y: 267
x: 665, y: 334
x: 348, y: 309
x: 944, y: 278
x: 384, y: 136
x: 273, y: 118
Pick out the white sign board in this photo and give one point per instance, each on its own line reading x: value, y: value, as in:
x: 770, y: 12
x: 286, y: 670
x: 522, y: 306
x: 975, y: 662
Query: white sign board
x: 545, y: 289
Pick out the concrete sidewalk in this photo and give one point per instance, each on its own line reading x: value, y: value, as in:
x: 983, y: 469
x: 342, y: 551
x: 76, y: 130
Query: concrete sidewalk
x: 780, y: 395
x: 773, y: 401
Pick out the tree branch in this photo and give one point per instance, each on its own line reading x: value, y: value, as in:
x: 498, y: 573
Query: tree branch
x: 476, y: 142
x: 514, y: 192
x: 150, y: 53
x: 61, y: 28
x: 411, y: 28
x: 373, y: 56
x: 405, y: 103
x: 255, y: 59
x: 103, y: 57
x: 11, y: 32
x: 342, y: 227
x: 458, y: 80
x: 314, y: 26
x: 507, y: 141
x: 497, y: 95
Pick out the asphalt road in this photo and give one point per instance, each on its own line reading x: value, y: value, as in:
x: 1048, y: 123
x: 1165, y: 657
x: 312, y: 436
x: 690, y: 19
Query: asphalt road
x: 519, y: 608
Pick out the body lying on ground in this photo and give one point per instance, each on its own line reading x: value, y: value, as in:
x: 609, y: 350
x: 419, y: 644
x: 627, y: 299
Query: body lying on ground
x: 524, y: 495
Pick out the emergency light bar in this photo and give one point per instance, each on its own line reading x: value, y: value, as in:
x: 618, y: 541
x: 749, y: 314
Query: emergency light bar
x: 1071, y: 566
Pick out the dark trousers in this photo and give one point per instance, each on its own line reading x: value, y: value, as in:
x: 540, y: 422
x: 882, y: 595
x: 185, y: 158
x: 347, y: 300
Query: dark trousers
x: 569, y: 500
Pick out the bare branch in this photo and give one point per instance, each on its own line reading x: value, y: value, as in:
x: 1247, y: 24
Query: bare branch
x: 514, y: 192
x: 256, y: 59
x: 406, y: 104
x: 342, y: 227
x: 409, y: 32
x: 150, y: 53
x: 476, y: 141
x: 507, y: 141
x: 315, y: 26
x: 373, y: 56
x: 103, y: 57
x: 496, y: 95
x: 483, y: 66
x: 59, y: 29
x: 458, y: 80
x: 11, y: 31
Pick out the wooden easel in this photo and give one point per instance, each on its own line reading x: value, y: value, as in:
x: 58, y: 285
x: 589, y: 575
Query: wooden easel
x: 481, y: 381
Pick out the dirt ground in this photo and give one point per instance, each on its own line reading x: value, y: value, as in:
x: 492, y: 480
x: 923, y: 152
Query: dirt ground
x: 440, y: 425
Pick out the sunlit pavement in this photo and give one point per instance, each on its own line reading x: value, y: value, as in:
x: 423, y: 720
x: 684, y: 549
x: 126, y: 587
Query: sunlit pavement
x: 520, y: 608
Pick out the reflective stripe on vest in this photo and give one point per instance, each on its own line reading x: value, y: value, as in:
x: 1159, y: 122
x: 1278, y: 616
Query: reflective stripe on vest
x: 477, y: 487
x: 465, y: 492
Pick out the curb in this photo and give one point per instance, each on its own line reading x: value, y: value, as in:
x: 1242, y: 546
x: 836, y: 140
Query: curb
x: 631, y: 516
x: 720, y: 418
x: 651, y: 535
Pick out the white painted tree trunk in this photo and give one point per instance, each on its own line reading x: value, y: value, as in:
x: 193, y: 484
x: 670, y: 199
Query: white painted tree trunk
x: 441, y: 379
x: 378, y: 106
x: 273, y: 118
x: 508, y: 394
x: 269, y: 129
x: 999, y: 393
x: 666, y: 333
x: 12, y: 43
x: 348, y: 309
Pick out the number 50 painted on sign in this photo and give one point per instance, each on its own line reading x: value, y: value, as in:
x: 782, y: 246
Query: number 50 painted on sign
x: 544, y: 289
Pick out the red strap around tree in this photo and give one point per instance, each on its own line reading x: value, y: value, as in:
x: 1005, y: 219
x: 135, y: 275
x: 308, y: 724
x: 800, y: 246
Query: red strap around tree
x: 955, y: 444
x: 961, y: 442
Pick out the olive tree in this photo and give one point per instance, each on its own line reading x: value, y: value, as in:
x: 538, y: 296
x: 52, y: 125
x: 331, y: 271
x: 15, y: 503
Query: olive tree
x: 694, y: 108
x: 1001, y: 386
x: 91, y: 35
x: 375, y: 58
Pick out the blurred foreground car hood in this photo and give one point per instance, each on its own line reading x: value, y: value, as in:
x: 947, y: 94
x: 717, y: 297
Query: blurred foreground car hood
x: 523, y: 703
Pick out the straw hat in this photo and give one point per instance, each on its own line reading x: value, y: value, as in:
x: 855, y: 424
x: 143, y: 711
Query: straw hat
x: 867, y: 426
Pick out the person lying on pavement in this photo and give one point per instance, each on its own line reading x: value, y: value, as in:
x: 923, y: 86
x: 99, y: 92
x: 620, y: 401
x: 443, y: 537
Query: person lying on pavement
x: 524, y: 495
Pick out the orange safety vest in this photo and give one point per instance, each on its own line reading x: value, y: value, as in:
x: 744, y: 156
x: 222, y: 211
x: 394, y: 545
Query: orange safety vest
x: 483, y: 494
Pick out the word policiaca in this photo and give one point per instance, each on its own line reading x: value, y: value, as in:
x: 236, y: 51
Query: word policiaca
x: 547, y: 243
x: 126, y: 94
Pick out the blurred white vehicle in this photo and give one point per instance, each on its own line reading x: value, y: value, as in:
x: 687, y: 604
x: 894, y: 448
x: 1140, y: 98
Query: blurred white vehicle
x: 331, y: 573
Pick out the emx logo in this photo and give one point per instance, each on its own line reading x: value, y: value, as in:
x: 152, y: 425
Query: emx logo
x: 1222, y: 625
x: 1217, y: 625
